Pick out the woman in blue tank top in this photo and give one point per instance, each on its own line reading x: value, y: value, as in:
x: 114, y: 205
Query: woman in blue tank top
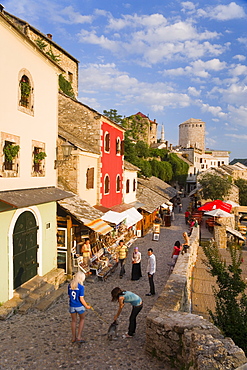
x: 125, y: 296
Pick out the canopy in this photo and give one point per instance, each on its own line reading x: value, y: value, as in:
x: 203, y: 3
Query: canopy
x: 233, y: 204
x: 99, y: 226
x: 132, y: 216
x: 216, y: 204
x: 235, y: 233
x: 218, y: 213
x: 114, y: 217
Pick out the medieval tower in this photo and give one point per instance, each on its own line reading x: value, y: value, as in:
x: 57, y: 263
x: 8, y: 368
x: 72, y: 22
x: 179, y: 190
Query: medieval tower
x: 192, y: 134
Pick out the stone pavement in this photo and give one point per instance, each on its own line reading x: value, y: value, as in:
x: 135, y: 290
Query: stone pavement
x: 43, y: 340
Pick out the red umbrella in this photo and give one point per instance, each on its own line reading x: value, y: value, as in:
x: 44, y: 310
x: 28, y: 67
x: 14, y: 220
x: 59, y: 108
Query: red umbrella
x: 216, y: 204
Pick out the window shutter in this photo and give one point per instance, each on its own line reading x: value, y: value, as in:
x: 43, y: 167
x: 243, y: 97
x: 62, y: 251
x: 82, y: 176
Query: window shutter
x: 122, y: 147
x: 90, y: 178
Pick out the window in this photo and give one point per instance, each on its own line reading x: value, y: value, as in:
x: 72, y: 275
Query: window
x: 107, y: 142
x: 90, y: 178
x: 127, y: 186
x: 107, y: 185
x: 10, y: 151
x: 118, y: 146
x: 134, y: 185
x: 38, y: 158
x: 70, y: 77
x: 200, y: 160
x: 118, y: 185
x: 25, y: 92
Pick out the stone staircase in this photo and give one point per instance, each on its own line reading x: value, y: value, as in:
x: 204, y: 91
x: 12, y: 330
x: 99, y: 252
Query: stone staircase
x: 39, y: 292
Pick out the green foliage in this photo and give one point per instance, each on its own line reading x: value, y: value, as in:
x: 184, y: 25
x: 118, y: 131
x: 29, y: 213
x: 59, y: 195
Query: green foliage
x: 144, y: 166
x: 214, y: 187
x: 10, y: 152
x: 231, y: 301
x: 142, y: 149
x: 65, y: 86
x: 38, y: 157
x: 242, y: 185
x: 25, y: 88
x: 113, y: 115
x: 179, y: 167
x: 54, y: 57
x: 41, y: 43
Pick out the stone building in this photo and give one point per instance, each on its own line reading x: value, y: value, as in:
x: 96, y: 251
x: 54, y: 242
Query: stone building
x: 142, y: 128
x: 68, y: 63
x: 192, y: 134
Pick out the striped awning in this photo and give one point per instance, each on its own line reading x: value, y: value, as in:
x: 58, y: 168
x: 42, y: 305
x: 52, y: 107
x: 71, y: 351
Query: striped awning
x: 99, y: 226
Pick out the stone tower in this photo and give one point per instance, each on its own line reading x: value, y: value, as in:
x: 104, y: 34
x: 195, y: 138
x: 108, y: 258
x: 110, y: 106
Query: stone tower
x: 192, y: 134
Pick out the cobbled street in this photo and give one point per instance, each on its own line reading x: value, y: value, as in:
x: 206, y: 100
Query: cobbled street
x: 43, y: 340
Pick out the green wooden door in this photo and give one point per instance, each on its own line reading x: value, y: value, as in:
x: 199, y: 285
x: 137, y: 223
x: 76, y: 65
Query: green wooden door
x: 25, y: 248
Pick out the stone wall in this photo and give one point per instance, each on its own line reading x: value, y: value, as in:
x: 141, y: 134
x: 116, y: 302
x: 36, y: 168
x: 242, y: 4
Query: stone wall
x: 185, y: 340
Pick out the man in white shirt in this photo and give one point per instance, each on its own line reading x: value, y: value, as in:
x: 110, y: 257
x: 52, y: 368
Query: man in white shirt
x: 151, y: 268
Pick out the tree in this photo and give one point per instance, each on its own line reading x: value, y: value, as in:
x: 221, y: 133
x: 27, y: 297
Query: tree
x: 113, y: 115
x: 142, y: 149
x: 179, y: 167
x: 242, y: 185
x: 231, y: 301
x: 214, y: 187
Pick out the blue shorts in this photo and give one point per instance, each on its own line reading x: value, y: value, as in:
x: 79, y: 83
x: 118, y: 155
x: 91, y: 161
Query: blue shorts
x: 80, y: 310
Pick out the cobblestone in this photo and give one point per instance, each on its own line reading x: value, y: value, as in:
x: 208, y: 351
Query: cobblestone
x: 42, y: 340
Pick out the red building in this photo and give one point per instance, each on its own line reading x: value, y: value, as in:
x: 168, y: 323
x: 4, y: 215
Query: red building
x: 111, y: 188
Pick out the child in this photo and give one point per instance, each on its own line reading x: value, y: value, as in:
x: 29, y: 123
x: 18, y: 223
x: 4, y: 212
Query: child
x: 77, y: 305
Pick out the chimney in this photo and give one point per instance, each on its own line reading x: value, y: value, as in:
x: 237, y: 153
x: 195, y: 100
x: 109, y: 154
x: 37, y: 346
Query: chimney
x: 1, y: 8
x: 49, y: 36
x: 170, y: 146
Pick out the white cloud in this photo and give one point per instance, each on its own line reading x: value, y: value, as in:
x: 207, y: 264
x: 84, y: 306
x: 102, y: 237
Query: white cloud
x: 223, y: 12
x: 215, y: 111
x: 75, y: 17
x: 198, y: 68
x: 239, y: 137
x: 193, y: 91
x: 238, y: 114
x: 188, y: 6
x: 128, y: 90
x: 241, y: 58
x: 238, y: 70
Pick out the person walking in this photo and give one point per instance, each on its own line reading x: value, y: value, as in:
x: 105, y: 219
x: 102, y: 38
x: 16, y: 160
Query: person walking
x: 122, y: 254
x: 77, y: 305
x: 151, y: 268
x: 125, y: 296
x: 136, y: 273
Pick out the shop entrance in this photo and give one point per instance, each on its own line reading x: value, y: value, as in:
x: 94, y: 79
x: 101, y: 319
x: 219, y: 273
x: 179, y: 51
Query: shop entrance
x: 25, y: 248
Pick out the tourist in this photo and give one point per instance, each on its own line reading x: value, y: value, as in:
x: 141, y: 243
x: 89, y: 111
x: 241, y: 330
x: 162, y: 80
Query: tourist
x: 86, y: 252
x: 186, y: 216
x: 151, y: 268
x: 122, y: 297
x: 122, y: 254
x: 77, y: 305
x: 176, y: 250
x: 136, y: 273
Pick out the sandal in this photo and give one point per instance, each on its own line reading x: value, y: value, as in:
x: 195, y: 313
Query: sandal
x: 80, y: 341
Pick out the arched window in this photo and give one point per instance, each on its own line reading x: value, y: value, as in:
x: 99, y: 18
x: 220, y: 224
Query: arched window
x: 134, y: 185
x: 25, y: 101
x: 107, y: 142
x: 90, y: 178
x: 107, y: 185
x: 118, y: 184
x: 127, y: 186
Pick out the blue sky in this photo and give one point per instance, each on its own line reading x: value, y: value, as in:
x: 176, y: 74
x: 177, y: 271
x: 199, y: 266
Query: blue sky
x: 170, y: 60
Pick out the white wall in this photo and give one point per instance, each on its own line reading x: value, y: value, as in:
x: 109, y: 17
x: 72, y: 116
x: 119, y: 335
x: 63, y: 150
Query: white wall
x: 131, y: 196
x: 17, y: 54
x: 88, y: 160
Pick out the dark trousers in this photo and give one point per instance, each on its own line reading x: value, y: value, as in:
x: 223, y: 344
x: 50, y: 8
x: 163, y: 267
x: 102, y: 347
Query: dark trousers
x: 122, y: 268
x: 151, y: 283
x: 132, y: 319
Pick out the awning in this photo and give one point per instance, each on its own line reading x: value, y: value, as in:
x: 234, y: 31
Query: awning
x: 114, y: 217
x: 235, y: 233
x: 31, y: 197
x: 132, y: 217
x: 99, y: 226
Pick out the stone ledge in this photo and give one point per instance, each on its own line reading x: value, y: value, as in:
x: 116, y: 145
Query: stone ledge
x: 183, y: 339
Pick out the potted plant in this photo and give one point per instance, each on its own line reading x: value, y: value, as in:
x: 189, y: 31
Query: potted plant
x: 25, y: 88
x: 38, y: 157
x: 10, y: 152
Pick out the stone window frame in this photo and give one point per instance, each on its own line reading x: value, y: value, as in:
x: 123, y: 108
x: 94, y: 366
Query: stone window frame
x: 134, y: 184
x: 106, y: 184
x: 30, y: 108
x: 38, y: 169
x: 107, y: 142
x: 15, y: 140
x: 118, y: 183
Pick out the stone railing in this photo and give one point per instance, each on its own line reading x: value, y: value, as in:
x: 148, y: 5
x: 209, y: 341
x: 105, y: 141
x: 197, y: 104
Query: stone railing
x: 185, y: 340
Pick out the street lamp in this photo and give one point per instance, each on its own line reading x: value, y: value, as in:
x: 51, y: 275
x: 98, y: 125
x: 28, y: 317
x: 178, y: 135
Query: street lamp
x: 66, y: 150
